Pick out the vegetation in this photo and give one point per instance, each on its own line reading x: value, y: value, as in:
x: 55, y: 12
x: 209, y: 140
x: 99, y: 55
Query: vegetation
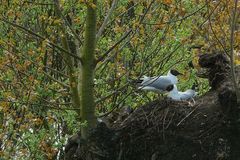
x: 56, y: 76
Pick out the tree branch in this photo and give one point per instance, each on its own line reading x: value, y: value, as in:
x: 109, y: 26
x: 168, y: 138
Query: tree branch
x: 55, y: 80
x: 232, y: 38
x: 214, y: 34
x: 114, y: 46
x: 51, y: 44
x: 75, y: 95
x: 177, y: 20
x: 105, y: 22
x: 69, y: 26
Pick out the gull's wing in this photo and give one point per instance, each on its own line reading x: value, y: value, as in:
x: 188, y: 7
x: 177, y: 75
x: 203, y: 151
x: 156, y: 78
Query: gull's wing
x: 175, y: 96
x: 160, y: 83
x: 188, y: 94
x: 146, y: 80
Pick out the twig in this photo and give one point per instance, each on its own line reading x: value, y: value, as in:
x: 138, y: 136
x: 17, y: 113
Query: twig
x: 187, y: 115
x: 66, y: 21
x: 145, y: 116
x: 126, y: 11
x: 115, y: 45
x: 111, y: 94
x: 41, y: 37
x: 214, y: 34
x: 183, y: 18
x: 36, y: 3
x: 234, y: 78
x: 37, y: 104
x: 61, y: 83
x: 124, y: 36
x: 56, y: 71
x: 106, y: 114
x: 163, y: 124
x: 105, y: 22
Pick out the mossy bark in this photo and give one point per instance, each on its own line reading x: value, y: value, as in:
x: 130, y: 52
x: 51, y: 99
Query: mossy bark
x: 73, y: 76
x: 87, y: 71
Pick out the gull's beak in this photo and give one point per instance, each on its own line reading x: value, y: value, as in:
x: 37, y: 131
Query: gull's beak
x: 181, y: 74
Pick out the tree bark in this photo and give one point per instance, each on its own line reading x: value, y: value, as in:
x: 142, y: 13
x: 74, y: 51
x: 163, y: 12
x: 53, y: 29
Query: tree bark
x: 72, y: 71
x: 87, y: 71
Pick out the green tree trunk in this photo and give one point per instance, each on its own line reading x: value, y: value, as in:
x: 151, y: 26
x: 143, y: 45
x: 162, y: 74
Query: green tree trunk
x: 87, y: 71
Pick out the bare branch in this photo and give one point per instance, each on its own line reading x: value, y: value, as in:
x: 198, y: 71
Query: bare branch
x: 114, y: 46
x: 214, y: 34
x: 122, y: 14
x: 232, y: 39
x: 55, y: 80
x: 51, y: 44
x: 177, y: 20
x: 119, y: 90
x: 66, y: 22
x: 56, y: 71
x: 36, y: 3
x: 124, y: 36
x: 105, y: 22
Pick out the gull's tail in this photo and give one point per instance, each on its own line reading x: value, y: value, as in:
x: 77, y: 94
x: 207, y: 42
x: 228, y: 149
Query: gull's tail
x: 143, y: 83
x: 144, y: 80
x: 195, y: 94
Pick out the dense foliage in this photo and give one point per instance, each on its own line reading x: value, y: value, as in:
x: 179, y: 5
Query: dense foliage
x: 134, y: 38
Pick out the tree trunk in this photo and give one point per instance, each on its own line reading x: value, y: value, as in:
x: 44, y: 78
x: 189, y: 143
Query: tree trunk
x: 72, y: 71
x: 87, y: 71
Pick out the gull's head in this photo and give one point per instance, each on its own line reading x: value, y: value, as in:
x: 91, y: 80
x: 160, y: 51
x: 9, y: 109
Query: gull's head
x: 172, y: 74
x: 194, y: 89
x: 175, y: 72
x: 194, y: 86
x: 170, y: 88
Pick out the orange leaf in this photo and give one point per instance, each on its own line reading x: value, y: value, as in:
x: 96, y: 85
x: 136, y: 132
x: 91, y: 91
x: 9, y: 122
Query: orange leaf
x: 168, y: 2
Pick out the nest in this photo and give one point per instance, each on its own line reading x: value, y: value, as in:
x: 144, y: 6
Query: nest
x: 173, y: 130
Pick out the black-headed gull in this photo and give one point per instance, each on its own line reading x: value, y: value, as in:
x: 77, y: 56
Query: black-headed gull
x: 177, y: 95
x: 160, y: 84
